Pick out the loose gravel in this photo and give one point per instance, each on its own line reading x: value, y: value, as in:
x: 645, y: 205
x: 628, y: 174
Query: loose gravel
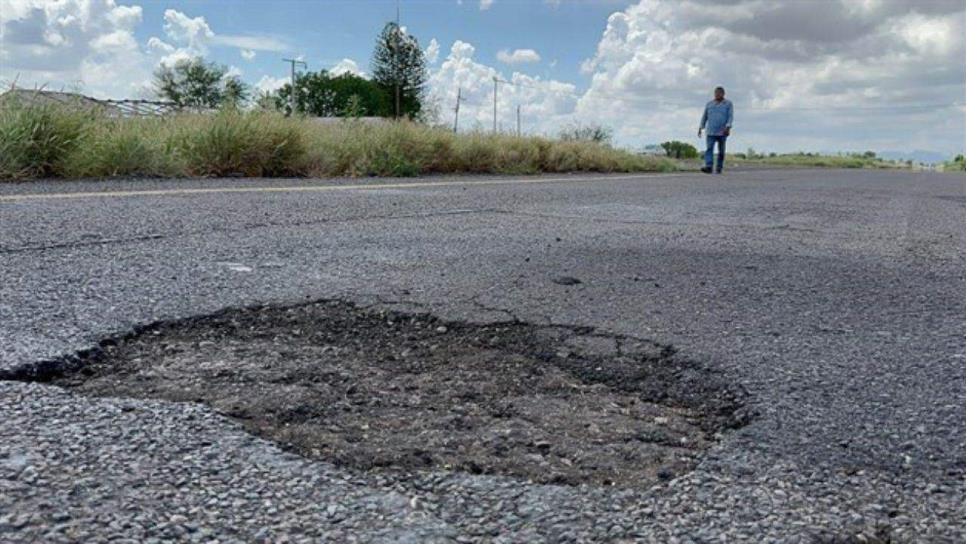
x: 83, y: 469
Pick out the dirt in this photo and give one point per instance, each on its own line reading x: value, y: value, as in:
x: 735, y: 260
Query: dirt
x: 381, y: 390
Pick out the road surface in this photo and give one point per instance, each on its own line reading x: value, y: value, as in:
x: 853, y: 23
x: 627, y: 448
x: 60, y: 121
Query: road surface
x: 836, y: 299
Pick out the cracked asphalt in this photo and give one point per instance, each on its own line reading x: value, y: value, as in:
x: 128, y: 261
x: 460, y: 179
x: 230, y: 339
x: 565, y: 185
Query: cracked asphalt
x: 836, y: 299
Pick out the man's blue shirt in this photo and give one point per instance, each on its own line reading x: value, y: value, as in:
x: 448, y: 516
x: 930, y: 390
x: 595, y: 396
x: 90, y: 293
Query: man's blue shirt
x: 717, y: 116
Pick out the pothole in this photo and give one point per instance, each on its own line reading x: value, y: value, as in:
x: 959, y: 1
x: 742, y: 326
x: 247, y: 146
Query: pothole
x: 383, y: 390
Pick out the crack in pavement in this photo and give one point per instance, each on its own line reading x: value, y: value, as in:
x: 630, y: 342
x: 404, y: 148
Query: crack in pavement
x: 248, y: 227
x: 99, y: 242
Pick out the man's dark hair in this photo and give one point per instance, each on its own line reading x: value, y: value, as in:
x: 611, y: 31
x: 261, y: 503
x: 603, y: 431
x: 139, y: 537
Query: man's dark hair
x: 719, y: 88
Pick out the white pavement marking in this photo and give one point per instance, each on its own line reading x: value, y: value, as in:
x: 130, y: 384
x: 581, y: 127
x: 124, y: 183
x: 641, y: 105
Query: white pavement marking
x: 318, y: 188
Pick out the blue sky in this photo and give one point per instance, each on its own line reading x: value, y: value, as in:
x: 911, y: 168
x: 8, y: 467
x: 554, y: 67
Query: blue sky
x: 327, y: 31
x: 816, y: 75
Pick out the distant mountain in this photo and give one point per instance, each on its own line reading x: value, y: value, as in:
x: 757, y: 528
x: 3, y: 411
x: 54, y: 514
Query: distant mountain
x: 917, y: 156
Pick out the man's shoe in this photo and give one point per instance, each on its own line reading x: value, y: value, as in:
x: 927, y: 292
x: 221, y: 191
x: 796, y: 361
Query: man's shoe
x: 706, y: 169
x: 717, y: 171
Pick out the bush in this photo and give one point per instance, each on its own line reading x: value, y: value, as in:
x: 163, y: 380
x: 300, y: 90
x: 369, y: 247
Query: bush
x: 35, y: 141
x: 958, y: 164
x: 680, y: 150
x: 587, y: 133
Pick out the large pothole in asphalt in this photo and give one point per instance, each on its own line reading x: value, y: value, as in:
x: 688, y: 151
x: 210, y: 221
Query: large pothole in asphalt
x: 382, y: 390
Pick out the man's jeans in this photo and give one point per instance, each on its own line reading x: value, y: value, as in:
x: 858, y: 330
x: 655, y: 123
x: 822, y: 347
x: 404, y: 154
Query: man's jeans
x: 709, y: 153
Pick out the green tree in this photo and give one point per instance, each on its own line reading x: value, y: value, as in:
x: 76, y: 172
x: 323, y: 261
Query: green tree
x: 681, y: 150
x: 235, y: 92
x: 353, y: 107
x: 195, y: 83
x: 322, y: 95
x: 398, y: 66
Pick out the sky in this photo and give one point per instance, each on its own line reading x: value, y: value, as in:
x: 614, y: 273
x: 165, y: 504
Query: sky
x: 810, y: 75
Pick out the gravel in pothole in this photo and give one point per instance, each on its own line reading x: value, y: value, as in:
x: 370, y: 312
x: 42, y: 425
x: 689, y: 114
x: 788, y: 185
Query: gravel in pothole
x: 382, y: 390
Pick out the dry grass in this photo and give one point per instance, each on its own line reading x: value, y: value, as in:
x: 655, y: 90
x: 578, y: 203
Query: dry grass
x: 47, y: 141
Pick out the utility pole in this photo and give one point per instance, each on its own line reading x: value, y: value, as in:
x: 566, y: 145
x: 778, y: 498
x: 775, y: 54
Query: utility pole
x: 456, y: 120
x: 291, y: 98
x: 395, y: 58
x: 495, y: 82
x: 518, y: 120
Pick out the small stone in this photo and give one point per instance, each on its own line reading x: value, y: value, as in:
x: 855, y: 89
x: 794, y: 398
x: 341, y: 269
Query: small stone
x: 60, y: 516
x: 567, y: 280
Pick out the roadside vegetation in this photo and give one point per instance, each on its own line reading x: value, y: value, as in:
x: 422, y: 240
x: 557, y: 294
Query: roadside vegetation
x: 52, y: 141
x: 679, y: 150
x: 958, y: 164
x: 867, y: 159
x: 224, y: 130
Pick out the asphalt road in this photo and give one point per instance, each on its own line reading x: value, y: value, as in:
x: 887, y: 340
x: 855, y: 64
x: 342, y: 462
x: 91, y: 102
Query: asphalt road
x: 836, y: 299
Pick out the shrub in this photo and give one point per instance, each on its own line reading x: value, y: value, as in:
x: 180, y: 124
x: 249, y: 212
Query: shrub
x: 958, y: 164
x: 36, y: 140
x: 680, y: 150
x: 587, y: 133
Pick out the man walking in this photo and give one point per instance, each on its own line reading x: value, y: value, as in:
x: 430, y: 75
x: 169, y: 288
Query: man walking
x: 718, y: 115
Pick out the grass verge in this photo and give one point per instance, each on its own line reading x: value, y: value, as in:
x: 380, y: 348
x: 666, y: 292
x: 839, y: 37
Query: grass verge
x: 815, y: 160
x: 52, y: 141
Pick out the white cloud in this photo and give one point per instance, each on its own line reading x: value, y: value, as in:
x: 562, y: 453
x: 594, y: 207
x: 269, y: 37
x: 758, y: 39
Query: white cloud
x: 518, y: 56
x: 432, y: 51
x: 91, y: 47
x: 73, y: 44
x: 485, y: 4
x: 545, y: 104
x: 194, y: 32
x: 160, y: 45
x: 256, y: 43
x: 346, y: 66
x: 269, y: 84
x: 836, y: 78
x: 929, y: 35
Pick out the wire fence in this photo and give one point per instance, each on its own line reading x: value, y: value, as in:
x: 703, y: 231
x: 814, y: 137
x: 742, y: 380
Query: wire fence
x: 110, y: 107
